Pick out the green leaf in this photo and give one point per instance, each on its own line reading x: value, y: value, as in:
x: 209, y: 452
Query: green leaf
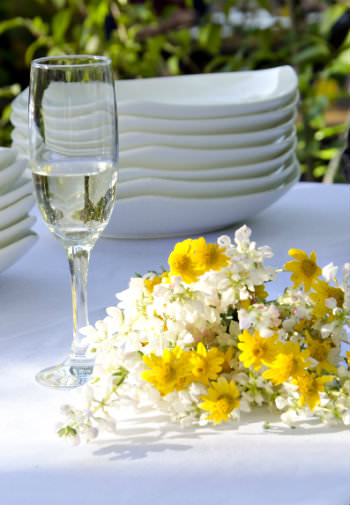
x: 40, y: 26
x: 10, y: 91
x: 60, y: 23
x: 173, y: 64
x: 30, y: 52
x: 330, y: 16
x: 9, y: 24
x: 311, y: 54
x: 264, y: 4
x: 326, y: 154
x: 210, y: 37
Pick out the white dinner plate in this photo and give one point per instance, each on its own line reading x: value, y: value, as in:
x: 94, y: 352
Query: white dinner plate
x: 233, y: 124
x: 208, y: 95
x: 22, y: 151
x: 9, y: 175
x: 212, y: 173
x: 203, y: 189
x: 16, y: 211
x: 178, y: 158
x: 159, y: 216
x: 126, y: 123
x: 11, y: 253
x: 15, y: 231
x: 131, y: 140
x: 188, y: 96
x: 7, y: 157
x: 21, y: 187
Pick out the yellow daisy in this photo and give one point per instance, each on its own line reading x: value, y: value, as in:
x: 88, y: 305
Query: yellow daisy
x: 182, y: 263
x: 256, y: 350
x: 319, y: 350
x: 305, y: 269
x: 150, y: 283
x: 209, y: 256
x: 221, y: 399
x: 205, y: 364
x: 289, y: 362
x: 309, y: 387
x: 168, y: 372
x: 323, y: 291
x: 260, y: 292
x: 348, y: 357
x: 226, y: 366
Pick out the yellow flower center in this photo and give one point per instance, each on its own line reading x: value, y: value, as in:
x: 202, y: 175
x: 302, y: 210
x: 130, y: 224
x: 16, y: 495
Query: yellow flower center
x: 319, y: 351
x: 258, y: 349
x: 337, y: 294
x: 308, y: 267
x: 289, y: 364
x: 181, y: 263
x: 225, y: 404
x: 200, y: 367
x: 307, y: 385
x: 166, y: 373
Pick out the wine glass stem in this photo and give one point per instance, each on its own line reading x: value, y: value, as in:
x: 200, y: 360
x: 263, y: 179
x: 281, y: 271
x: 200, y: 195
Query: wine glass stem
x: 78, y: 259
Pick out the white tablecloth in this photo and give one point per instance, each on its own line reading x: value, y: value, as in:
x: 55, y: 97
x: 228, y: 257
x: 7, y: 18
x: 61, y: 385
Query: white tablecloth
x: 150, y: 462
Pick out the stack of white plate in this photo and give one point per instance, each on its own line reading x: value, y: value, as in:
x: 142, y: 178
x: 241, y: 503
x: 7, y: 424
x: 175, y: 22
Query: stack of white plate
x: 16, y: 200
x: 197, y: 152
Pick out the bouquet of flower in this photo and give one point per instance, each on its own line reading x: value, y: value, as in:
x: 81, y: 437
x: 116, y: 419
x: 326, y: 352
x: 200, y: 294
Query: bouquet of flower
x: 202, y: 341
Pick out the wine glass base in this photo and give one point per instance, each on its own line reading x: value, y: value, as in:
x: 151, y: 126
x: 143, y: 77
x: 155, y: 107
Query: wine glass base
x: 67, y: 375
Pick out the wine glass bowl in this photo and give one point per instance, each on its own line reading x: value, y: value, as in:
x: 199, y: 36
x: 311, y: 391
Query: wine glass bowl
x: 74, y: 175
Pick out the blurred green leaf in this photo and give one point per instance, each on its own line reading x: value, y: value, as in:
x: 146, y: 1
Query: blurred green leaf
x: 60, y: 24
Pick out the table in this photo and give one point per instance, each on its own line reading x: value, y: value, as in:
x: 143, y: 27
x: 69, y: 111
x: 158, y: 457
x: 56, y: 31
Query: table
x: 150, y: 462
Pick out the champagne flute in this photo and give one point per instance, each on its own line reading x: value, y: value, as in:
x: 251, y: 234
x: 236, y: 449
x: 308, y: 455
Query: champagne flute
x: 73, y: 155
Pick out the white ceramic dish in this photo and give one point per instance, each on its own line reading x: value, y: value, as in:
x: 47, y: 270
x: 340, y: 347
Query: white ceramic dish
x: 203, y: 189
x: 22, y: 151
x: 190, y: 96
x: 231, y: 124
x: 15, y: 231
x: 9, y: 175
x: 7, y: 157
x: 21, y: 187
x: 211, y: 173
x: 16, y: 211
x: 11, y: 253
x: 208, y: 95
x: 159, y: 216
x: 132, y: 140
x: 178, y: 158
x: 126, y: 123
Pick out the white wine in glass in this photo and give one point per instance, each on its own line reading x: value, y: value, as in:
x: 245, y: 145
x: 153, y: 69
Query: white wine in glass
x: 74, y: 160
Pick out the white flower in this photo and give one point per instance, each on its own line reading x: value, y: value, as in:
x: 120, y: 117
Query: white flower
x: 329, y: 272
x: 209, y: 311
x: 281, y: 402
x: 224, y: 241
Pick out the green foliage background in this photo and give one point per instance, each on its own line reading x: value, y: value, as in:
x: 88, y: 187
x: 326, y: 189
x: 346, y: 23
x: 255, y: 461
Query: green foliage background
x: 155, y: 38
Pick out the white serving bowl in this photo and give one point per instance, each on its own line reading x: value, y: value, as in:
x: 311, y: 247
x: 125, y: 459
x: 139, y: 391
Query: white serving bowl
x: 15, y: 231
x: 16, y: 211
x: 237, y: 123
x: 7, y: 157
x: 160, y: 216
x: 208, y: 95
x: 132, y: 140
x: 126, y: 123
x: 12, y: 252
x: 190, y: 96
x: 231, y: 124
x: 212, y: 173
x: 204, y: 189
x: 20, y: 188
x: 9, y: 175
x: 178, y: 158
